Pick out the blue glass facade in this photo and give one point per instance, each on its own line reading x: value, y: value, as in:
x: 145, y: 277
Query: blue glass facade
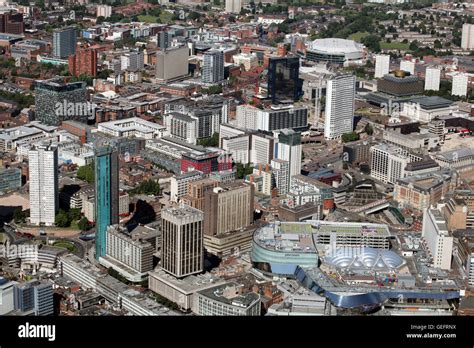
x: 106, y: 196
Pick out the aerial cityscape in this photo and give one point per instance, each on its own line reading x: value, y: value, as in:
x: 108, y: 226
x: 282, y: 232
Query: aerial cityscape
x: 236, y: 158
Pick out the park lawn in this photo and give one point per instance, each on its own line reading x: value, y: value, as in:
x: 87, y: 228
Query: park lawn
x: 65, y: 245
x: 147, y: 18
x: 394, y: 45
x: 165, y: 17
x: 358, y: 36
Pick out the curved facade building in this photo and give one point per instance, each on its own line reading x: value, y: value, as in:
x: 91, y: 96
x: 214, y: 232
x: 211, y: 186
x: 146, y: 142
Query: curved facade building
x: 316, y: 281
x: 282, y: 253
x: 335, y: 51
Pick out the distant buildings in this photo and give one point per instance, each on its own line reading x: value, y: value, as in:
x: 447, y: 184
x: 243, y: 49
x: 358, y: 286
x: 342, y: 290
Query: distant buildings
x: 233, y: 6
x: 104, y: 11
x: 213, y: 66
x: 182, y: 251
x: 432, y: 79
x: 407, y: 66
x: 64, y: 42
x: 437, y: 238
x: 459, y: 87
x: 106, y: 196
x: 340, y: 98
x: 467, y: 38
x: 382, y: 65
x: 43, y: 175
x: 284, y: 83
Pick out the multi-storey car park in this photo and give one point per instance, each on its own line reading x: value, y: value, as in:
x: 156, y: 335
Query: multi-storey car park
x: 335, y: 260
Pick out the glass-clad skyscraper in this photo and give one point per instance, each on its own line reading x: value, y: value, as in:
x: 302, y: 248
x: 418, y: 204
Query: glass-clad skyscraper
x: 284, y: 82
x: 106, y: 195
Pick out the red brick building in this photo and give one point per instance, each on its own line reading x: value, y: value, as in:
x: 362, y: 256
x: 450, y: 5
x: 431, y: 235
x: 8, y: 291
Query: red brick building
x: 84, y: 62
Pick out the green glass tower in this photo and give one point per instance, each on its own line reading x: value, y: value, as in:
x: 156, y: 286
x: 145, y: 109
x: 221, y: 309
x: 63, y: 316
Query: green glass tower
x: 106, y: 195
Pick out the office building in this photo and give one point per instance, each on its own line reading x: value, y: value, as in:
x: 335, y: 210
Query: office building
x: 132, y: 61
x: 229, y: 299
x: 10, y: 179
x: 197, y: 191
x: 12, y: 23
x: 467, y: 38
x: 382, y: 65
x: 7, y: 296
x: 464, y: 251
x: 84, y: 62
x: 179, y: 184
x: 43, y: 180
x: 213, y: 66
x: 262, y: 147
x: 432, y: 78
x: 388, y: 162
x: 182, y: 250
x: 281, y: 174
x: 340, y: 97
x: 130, y: 255
x: 228, y: 208
x: 289, y: 149
x: 426, y: 109
x: 356, y: 153
x: 172, y: 63
x: 407, y: 66
x: 284, y: 83
x: 57, y: 101
x: 163, y: 39
x: 272, y: 118
x: 64, y: 42
x: 104, y: 11
x: 437, y: 238
x: 460, y: 81
x: 424, y: 191
x: 233, y: 6
x: 238, y: 147
x: 106, y: 195
x: 34, y: 298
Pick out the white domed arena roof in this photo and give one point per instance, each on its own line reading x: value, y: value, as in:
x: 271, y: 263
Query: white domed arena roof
x: 336, y: 46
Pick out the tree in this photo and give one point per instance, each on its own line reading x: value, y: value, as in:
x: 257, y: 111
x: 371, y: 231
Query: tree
x: 242, y: 170
x: 414, y: 46
x: 62, y: 219
x: 148, y: 187
x: 368, y: 129
x: 348, y: 137
x: 19, y: 215
x: 372, y: 42
x: 213, y: 141
x: 86, y: 173
x: 83, y: 224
